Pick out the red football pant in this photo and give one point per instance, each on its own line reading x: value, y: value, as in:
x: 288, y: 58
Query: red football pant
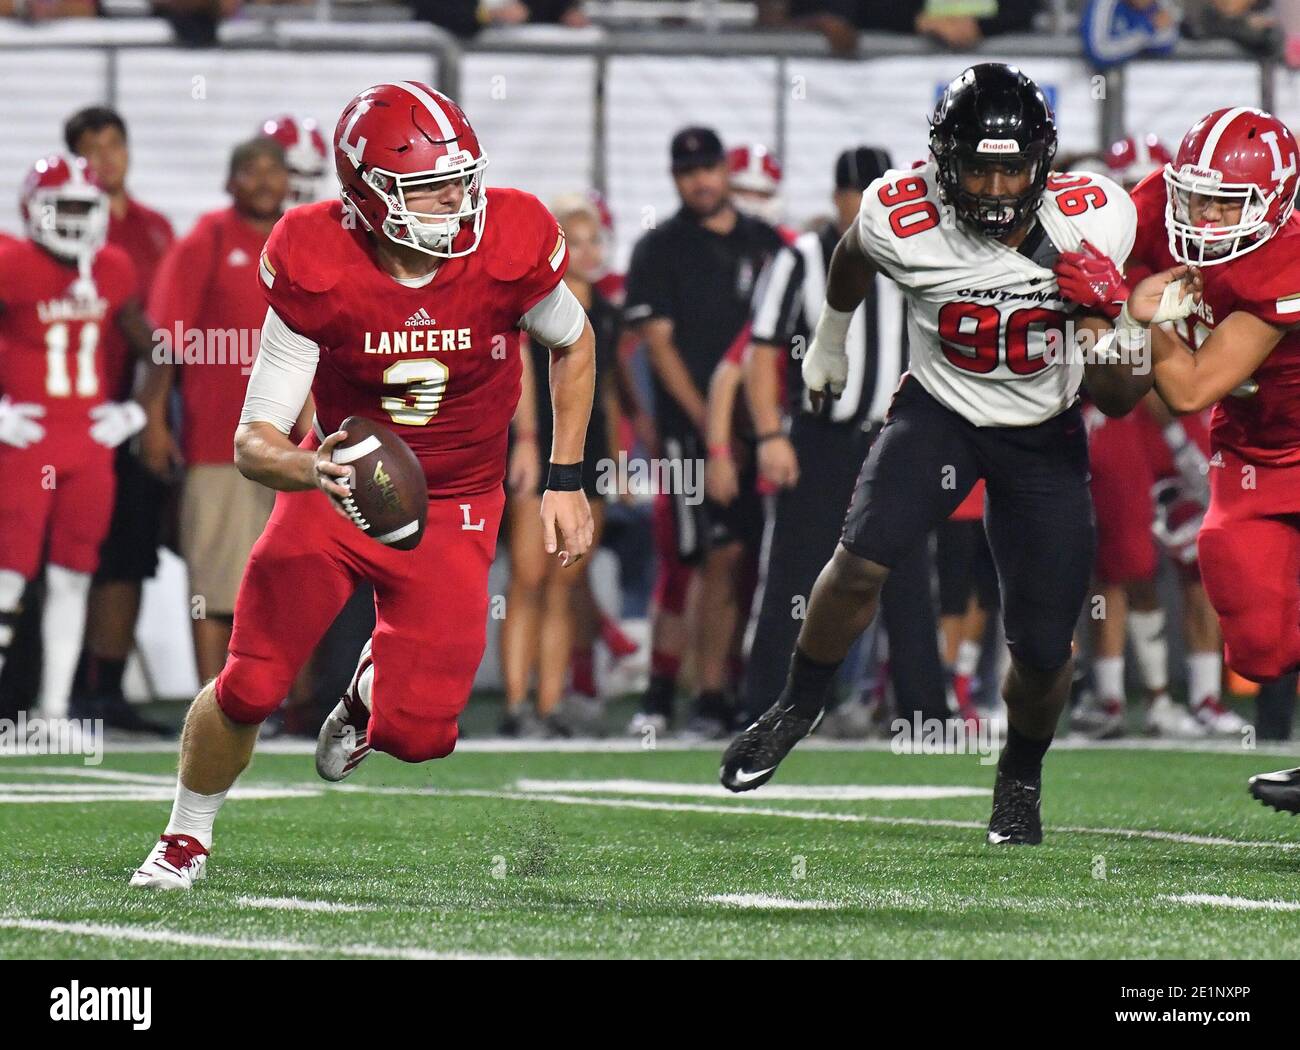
x: 57, y: 499
x: 1121, y: 495
x: 1249, y: 551
x: 430, y: 610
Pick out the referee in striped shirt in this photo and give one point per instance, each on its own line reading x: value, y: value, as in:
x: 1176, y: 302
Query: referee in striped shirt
x: 815, y: 464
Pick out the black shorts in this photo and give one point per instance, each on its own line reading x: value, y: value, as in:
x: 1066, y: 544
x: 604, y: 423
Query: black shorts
x: 700, y: 524
x: 129, y: 552
x: 1038, y: 512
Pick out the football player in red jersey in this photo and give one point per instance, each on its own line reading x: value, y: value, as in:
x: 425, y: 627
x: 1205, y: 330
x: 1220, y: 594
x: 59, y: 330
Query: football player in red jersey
x: 1135, y: 458
x: 69, y: 317
x: 305, y: 153
x: 1226, y: 206
x: 403, y: 304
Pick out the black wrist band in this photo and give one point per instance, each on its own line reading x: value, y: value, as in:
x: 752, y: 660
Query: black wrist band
x: 759, y: 439
x: 565, y: 477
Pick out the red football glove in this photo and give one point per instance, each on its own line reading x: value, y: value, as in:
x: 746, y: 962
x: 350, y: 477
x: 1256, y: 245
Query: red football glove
x: 1090, y: 279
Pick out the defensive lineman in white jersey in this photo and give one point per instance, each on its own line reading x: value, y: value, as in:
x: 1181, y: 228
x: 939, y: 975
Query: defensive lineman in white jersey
x: 973, y: 239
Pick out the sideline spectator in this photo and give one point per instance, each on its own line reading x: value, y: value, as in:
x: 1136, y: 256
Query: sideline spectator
x: 207, y: 294
x: 467, y: 17
x: 129, y: 554
x: 689, y: 289
x: 957, y: 25
x: 1115, y: 31
x: 541, y: 607
x: 1252, y: 24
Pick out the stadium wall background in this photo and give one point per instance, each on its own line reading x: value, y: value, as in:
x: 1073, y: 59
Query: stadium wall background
x: 556, y: 116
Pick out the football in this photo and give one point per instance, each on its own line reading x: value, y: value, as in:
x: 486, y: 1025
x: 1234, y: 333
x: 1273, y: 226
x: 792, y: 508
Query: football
x: 389, y: 500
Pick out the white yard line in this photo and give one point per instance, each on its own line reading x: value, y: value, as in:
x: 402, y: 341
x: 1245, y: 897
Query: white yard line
x: 298, y: 904
x: 200, y: 940
x: 766, y: 902
x: 23, y: 793
x: 86, y: 773
x: 743, y: 809
x: 780, y: 793
x: 1220, y: 901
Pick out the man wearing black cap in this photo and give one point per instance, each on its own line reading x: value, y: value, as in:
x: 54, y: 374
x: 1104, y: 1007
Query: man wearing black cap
x: 815, y: 465
x: 689, y: 288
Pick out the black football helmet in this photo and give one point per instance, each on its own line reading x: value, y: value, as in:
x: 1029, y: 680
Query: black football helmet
x: 992, y: 114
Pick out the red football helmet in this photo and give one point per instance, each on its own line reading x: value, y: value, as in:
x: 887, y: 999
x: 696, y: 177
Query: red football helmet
x: 1239, y: 157
x: 394, y: 138
x: 63, y: 207
x: 305, y: 155
x: 755, y: 177
x: 1131, y: 160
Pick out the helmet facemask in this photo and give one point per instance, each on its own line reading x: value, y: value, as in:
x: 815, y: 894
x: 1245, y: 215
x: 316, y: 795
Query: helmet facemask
x: 1211, y: 245
x: 69, y: 221
x: 431, y: 232
x: 993, y: 215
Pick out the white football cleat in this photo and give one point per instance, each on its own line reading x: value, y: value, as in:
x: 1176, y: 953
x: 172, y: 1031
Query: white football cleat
x: 176, y: 862
x: 1168, y: 719
x: 1217, y: 719
x: 342, y: 744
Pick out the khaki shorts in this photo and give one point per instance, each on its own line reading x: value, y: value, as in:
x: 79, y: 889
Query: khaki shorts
x: 222, y: 515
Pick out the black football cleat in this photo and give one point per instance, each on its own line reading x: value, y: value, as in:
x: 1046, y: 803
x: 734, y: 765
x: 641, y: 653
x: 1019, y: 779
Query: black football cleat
x: 1016, y: 820
x: 1281, y: 790
x: 753, y: 756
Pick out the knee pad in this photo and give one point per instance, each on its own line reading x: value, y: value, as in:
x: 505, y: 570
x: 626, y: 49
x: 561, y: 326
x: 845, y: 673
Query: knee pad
x: 1256, y: 650
x: 1039, y: 653
x: 247, y: 694
x: 413, y: 739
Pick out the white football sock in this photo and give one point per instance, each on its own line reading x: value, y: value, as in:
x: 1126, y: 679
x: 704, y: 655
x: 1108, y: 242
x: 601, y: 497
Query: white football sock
x: 968, y: 659
x: 62, y: 626
x: 1108, y: 674
x: 194, y: 814
x: 11, y: 593
x: 1204, y: 676
x: 1146, y: 629
x: 365, y: 683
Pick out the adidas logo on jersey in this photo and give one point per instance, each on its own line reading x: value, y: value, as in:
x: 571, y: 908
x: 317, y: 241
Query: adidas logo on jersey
x: 420, y: 319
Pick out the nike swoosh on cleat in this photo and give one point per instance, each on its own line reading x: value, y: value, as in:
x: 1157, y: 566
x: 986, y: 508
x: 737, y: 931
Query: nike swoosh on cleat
x: 740, y: 776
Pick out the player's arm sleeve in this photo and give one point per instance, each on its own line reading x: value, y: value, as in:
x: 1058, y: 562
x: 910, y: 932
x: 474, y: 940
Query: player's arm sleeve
x: 778, y: 299
x: 557, y: 320
x: 281, y: 377
x: 649, y: 283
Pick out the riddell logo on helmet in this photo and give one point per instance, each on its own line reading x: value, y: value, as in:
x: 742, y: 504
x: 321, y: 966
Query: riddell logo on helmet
x: 1204, y: 174
x: 998, y: 146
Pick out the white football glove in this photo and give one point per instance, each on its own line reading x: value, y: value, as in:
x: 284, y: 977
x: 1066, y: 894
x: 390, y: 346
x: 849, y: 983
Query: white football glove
x: 18, y: 426
x: 826, y: 364
x: 115, y: 422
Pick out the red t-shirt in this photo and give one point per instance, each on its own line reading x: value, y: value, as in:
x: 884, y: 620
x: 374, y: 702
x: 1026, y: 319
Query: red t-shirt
x: 439, y: 364
x: 57, y: 349
x: 145, y: 235
x: 1263, y: 428
x: 206, y: 299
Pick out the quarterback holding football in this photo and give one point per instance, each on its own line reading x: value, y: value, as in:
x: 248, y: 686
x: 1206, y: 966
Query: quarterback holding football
x: 401, y: 304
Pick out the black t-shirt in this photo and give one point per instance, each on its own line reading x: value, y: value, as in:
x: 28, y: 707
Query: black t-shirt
x: 701, y: 281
